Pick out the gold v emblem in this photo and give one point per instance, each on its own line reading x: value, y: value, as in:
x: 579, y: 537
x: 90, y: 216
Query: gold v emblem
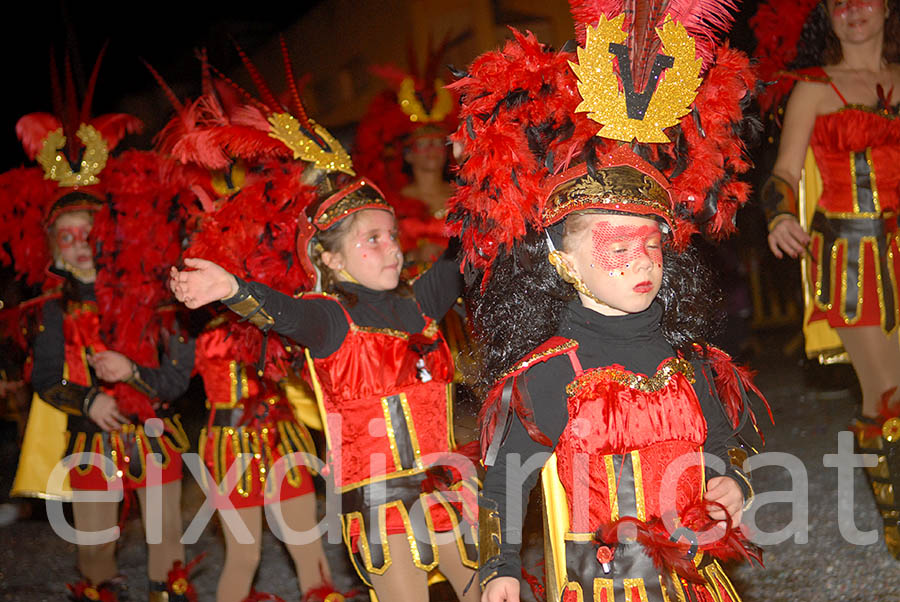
x: 625, y: 114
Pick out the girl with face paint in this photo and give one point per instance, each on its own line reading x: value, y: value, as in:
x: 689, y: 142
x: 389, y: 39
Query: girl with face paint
x: 592, y: 314
x: 384, y: 372
x: 844, y: 107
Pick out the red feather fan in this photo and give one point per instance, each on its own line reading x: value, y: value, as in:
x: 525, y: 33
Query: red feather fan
x: 670, y: 553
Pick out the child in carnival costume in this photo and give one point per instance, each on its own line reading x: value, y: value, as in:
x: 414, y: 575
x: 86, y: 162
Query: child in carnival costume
x: 107, y: 358
x: 378, y: 363
x: 583, y: 177
x: 247, y: 189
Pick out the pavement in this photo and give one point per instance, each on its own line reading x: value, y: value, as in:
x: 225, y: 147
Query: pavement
x: 809, y: 561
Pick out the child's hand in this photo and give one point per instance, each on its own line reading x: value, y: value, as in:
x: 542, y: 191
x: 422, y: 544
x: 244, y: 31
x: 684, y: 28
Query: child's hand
x: 111, y: 366
x: 501, y: 589
x: 205, y: 283
x: 105, y: 412
x: 727, y: 492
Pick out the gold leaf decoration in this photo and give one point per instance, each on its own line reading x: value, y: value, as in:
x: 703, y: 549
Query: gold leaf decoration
x: 605, y: 101
x: 412, y: 106
x: 286, y: 129
x: 56, y: 165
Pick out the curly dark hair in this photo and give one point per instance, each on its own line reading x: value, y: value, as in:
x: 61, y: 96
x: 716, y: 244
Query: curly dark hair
x: 819, y: 45
x: 522, y: 304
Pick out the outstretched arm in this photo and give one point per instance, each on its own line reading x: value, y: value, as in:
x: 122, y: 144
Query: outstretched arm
x: 203, y: 283
x: 318, y: 324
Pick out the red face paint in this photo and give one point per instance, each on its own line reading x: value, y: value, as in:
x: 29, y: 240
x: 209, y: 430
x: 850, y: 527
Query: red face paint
x: 616, y: 248
x: 67, y: 237
x: 842, y: 7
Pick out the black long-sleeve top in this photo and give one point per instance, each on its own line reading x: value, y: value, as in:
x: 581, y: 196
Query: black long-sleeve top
x: 634, y: 341
x: 320, y: 325
x: 166, y: 383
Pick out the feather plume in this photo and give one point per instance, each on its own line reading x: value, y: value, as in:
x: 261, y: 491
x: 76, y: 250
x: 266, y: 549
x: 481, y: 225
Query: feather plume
x: 88, y: 100
x: 33, y: 128
x: 261, y: 87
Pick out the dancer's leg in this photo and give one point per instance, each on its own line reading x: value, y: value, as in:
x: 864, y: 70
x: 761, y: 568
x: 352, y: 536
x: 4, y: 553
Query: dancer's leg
x: 876, y: 360
x: 161, y: 556
x: 299, y: 515
x: 241, y: 559
x: 458, y: 574
x: 96, y: 563
x: 403, y: 581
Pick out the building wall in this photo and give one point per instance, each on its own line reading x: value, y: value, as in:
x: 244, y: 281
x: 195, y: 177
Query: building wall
x: 335, y: 43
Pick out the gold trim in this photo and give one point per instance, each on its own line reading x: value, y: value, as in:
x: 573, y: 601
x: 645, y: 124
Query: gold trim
x: 389, y: 429
x: 612, y: 485
x: 639, y: 382
x: 630, y: 584
x: 603, y: 586
x: 411, y: 426
x: 413, y: 108
x: 569, y: 344
x: 285, y: 128
x: 616, y: 186
x: 600, y: 87
x: 871, y: 164
x: 556, y: 525
x: 244, y: 307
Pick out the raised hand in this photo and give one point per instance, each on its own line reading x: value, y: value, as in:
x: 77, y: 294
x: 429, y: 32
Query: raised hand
x: 203, y: 283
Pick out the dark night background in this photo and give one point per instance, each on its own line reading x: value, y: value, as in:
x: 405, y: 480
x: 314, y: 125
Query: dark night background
x: 165, y: 33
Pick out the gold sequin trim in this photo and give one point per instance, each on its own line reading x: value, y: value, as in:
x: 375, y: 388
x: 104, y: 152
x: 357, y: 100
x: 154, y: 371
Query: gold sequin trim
x: 614, y: 188
x: 531, y: 359
x: 639, y: 382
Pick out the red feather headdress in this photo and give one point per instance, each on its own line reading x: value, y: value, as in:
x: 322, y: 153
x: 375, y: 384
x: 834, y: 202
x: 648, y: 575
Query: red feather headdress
x: 136, y: 221
x: 529, y: 114
x: 73, y: 149
x: 414, y: 103
x: 247, y: 159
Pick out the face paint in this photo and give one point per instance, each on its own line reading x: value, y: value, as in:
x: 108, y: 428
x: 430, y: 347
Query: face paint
x: 615, y: 248
x: 67, y: 237
x: 842, y: 7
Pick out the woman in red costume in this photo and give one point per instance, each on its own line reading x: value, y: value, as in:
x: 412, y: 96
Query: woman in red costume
x: 842, y: 106
x: 104, y: 354
x: 594, y: 312
x: 383, y: 371
x: 401, y: 143
x: 249, y: 200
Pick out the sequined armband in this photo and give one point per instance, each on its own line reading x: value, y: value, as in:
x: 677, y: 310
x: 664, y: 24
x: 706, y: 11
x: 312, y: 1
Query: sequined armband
x: 249, y: 308
x: 778, y: 198
x: 139, y: 384
x: 489, y: 539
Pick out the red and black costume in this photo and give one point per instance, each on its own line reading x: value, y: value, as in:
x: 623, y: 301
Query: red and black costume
x: 617, y: 404
x: 606, y: 408
x: 69, y: 331
x: 385, y: 370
